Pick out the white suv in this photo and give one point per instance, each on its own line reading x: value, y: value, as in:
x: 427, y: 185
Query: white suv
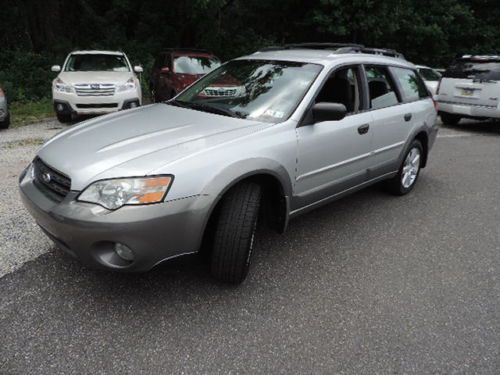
x: 470, y: 88
x: 95, y: 82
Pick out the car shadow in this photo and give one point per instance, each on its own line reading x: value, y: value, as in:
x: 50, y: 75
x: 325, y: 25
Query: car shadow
x: 490, y: 127
x: 189, y: 277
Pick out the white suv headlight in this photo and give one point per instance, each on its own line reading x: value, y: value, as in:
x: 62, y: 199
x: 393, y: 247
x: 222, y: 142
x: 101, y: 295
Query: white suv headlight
x: 60, y: 86
x: 127, y: 86
x: 115, y: 193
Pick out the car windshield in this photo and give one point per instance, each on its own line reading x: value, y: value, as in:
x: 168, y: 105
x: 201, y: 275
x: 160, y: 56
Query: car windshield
x: 97, y: 63
x: 260, y: 90
x: 429, y: 74
x: 476, y: 70
x: 195, y: 64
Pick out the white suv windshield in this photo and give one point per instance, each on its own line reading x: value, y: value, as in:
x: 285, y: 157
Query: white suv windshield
x: 97, y: 63
x: 261, y: 90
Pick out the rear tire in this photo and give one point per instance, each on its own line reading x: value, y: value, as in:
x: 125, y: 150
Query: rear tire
x: 64, y: 118
x: 234, y: 233
x: 408, y: 173
x: 449, y: 119
x: 5, y: 123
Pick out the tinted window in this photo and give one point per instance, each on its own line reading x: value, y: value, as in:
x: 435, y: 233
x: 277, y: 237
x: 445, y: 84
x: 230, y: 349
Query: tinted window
x: 477, y: 70
x: 429, y: 74
x: 97, y: 63
x: 342, y: 87
x: 411, y: 84
x: 195, y: 64
x: 381, y: 88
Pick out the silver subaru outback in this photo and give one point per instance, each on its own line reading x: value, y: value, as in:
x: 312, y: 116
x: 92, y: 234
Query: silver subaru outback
x: 262, y: 139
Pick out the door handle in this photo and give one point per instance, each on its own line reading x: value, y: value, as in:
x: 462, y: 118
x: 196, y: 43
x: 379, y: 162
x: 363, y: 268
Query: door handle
x: 408, y: 117
x: 363, y: 129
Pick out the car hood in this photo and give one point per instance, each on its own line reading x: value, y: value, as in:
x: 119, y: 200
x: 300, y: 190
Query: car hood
x: 137, y: 142
x: 94, y: 77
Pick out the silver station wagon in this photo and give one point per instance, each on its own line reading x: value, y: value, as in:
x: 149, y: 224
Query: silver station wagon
x: 262, y: 139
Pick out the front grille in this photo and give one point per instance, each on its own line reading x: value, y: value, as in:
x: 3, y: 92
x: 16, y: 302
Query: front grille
x: 100, y: 105
x: 51, y: 181
x: 220, y: 92
x: 95, y: 89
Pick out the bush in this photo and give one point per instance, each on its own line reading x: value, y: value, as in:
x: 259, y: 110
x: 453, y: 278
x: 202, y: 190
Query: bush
x: 25, y: 76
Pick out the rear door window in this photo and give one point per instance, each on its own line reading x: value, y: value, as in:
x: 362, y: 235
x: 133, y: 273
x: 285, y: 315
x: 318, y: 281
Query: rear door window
x: 412, y: 86
x: 475, y: 70
x: 382, y: 90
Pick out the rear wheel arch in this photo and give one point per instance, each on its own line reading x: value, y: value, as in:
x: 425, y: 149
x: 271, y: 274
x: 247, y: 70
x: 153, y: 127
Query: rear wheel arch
x: 424, y: 141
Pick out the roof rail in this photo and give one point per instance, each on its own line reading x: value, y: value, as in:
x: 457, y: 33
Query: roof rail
x: 479, y: 57
x: 327, y: 46
x: 338, y: 48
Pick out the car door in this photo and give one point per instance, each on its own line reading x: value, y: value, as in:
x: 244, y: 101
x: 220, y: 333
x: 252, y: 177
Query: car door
x: 333, y: 156
x: 391, y: 123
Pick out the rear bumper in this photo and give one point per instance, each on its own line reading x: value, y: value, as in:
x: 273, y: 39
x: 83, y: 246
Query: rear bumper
x: 89, y: 232
x: 468, y: 110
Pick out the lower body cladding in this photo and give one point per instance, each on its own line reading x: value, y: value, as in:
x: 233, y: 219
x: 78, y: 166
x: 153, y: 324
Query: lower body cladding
x: 132, y: 238
x: 474, y: 111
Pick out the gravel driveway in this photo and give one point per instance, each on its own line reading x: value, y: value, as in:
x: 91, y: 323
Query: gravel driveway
x: 20, y: 238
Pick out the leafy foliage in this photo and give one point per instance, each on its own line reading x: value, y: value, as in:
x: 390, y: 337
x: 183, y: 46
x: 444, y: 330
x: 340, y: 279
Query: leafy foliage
x: 36, y: 34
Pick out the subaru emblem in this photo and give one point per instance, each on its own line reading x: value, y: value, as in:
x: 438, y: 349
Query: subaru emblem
x: 46, y: 177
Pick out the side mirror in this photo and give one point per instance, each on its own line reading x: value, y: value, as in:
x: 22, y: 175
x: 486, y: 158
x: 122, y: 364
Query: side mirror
x: 164, y: 70
x: 56, y: 68
x: 138, y: 69
x: 328, y: 112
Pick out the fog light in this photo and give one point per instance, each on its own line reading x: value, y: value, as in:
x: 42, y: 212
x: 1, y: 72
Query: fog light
x: 124, y: 252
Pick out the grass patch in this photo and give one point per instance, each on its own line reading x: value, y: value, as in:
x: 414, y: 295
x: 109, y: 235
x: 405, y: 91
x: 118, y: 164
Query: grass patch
x: 25, y: 113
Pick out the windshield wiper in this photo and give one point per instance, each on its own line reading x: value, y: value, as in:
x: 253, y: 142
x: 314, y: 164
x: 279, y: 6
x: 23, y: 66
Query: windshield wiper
x: 206, y: 108
x: 177, y: 103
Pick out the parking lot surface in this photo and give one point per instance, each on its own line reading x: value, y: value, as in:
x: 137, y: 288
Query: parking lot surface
x: 369, y: 284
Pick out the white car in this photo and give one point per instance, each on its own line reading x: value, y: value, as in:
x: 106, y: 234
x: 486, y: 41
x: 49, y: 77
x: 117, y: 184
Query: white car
x: 431, y: 77
x: 470, y: 88
x: 95, y: 82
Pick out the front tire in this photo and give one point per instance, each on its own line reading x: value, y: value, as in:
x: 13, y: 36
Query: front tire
x: 64, y: 118
x: 235, y: 232
x: 449, y: 119
x: 5, y: 123
x: 408, y: 173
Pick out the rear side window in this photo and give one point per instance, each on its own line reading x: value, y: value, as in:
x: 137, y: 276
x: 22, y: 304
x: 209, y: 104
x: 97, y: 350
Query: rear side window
x: 476, y: 70
x: 412, y: 85
x: 381, y: 89
x: 429, y: 74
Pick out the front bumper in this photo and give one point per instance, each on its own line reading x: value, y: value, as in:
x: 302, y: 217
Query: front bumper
x: 88, y: 232
x: 95, y: 104
x: 469, y: 110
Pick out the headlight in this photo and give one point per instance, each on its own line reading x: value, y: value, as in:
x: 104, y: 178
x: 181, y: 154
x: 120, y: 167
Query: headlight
x: 60, y: 86
x: 129, y: 85
x: 113, y: 194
